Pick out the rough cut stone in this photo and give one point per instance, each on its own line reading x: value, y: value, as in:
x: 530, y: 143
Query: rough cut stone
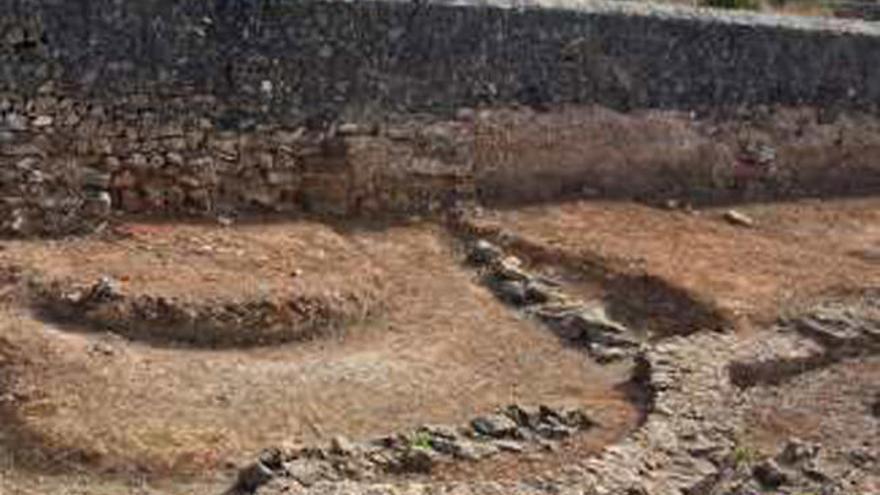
x: 739, y: 218
x: 494, y: 425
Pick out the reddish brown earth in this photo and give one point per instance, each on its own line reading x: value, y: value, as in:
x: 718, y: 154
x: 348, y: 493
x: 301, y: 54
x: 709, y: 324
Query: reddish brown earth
x: 796, y: 253
x: 103, y: 410
x: 443, y: 351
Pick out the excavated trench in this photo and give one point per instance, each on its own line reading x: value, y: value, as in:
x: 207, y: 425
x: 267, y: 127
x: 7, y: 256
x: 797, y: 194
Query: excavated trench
x: 545, y: 346
x: 549, y: 354
x: 503, y: 319
x: 116, y: 366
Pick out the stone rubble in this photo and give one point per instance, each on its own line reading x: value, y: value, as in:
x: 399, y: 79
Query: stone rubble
x: 582, y: 322
x: 213, y: 323
x: 689, y: 444
x: 826, y: 334
x: 813, y: 470
x: 516, y: 429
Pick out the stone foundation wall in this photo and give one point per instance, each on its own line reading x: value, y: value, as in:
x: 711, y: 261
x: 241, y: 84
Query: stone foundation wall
x: 173, y: 107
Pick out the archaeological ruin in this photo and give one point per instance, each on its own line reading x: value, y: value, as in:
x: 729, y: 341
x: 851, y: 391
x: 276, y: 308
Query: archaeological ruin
x: 475, y: 247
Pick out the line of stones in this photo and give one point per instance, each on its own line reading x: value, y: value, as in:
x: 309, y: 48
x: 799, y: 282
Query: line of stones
x: 682, y: 448
x: 683, y: 445
x: 215, y: 324
x: 691, y: 439
x: 515, y: 429
x: 584, y: 323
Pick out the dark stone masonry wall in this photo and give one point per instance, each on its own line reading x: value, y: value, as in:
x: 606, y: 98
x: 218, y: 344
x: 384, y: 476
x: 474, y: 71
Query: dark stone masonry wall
x: 302, y: 60
x: 158, y: 106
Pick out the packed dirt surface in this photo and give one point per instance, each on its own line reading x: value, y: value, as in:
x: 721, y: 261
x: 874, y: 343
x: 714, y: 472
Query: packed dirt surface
x: 832, y: 407
x: 793, y: 254
x: 111, y: 403
x: 207, y: 286
x: 443, y: 349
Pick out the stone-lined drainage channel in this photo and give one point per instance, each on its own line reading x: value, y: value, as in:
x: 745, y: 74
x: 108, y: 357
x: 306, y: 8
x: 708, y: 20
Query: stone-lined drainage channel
x: 579, y: 322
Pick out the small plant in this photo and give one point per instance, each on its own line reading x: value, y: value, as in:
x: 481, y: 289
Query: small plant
x: 744, y: 456
x: 421, y: 440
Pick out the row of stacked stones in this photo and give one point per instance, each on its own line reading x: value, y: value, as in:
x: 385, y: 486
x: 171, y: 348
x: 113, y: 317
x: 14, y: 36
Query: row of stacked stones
x: 66, y: 163
x: 515, y: 429
x: 583, y: 322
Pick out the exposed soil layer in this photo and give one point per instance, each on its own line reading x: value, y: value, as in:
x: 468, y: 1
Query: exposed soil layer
x: 796, y: 252
x: 717, y: 157
x: 203, y: 285
x: 443, y: 350
x: 429, y: 343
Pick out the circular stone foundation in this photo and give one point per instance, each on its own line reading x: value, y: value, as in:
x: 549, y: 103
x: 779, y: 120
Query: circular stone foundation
x: 207, y: 286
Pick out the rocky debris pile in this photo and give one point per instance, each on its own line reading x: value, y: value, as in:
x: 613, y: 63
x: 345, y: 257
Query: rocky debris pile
x: 845, y: 330
x: 691, y: 431
x: 515, y: 429
x: 826, y: 334
x: 800, y: 467
x: 211, y: 323
x: 578, y: 321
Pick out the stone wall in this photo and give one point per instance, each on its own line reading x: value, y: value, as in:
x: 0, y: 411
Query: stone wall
x: 298, y: 60
x: 163, y: 106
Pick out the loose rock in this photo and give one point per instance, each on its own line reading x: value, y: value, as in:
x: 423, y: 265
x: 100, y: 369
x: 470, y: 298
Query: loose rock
x: 252, y: 477
x: 342, y: 446
x: 475, y: 451
x: 511, y: 291
x: 770, y: 474
x: 306, y: 471
x: 738, y: 218
x: 484, y: 252
x: 494, y: 425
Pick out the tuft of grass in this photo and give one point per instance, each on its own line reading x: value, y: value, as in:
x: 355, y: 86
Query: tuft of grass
x: 744, y: 456
x: 421, y: 440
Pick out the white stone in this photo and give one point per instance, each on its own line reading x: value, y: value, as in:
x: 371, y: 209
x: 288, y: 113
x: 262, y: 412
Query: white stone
x: 43, y: 121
